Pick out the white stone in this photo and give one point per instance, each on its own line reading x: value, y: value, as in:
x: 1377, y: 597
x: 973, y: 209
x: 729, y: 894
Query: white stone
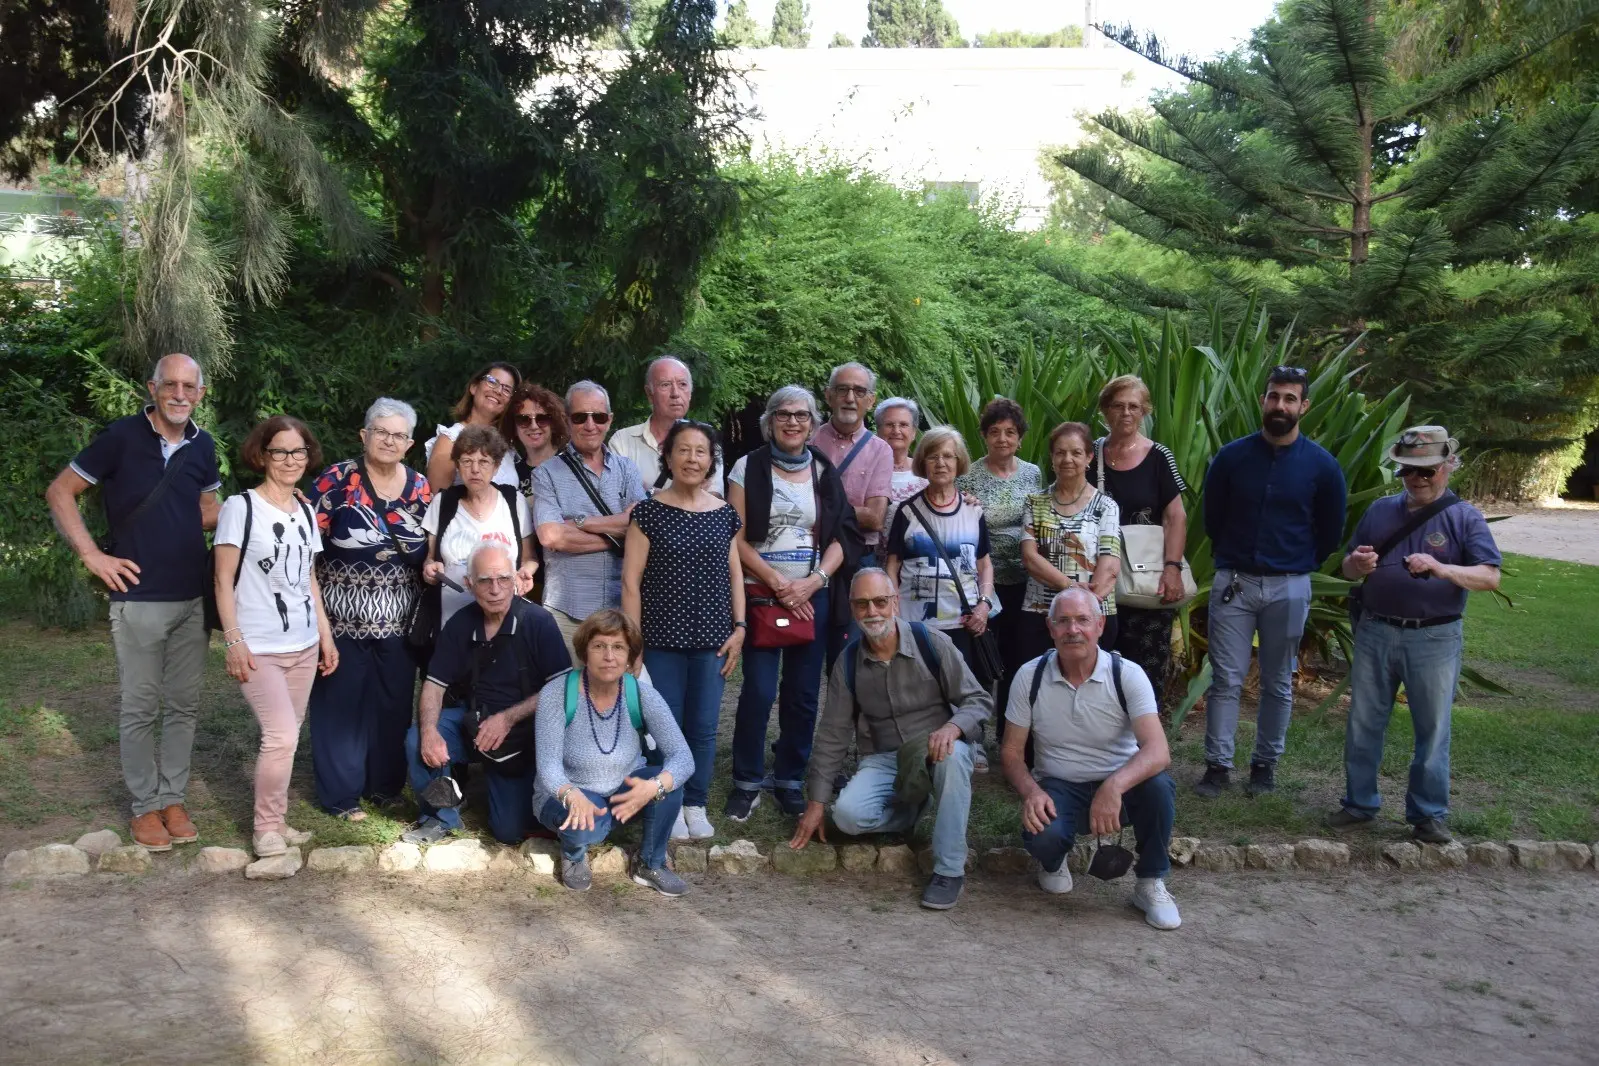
x: 1573, y: 856
x: 1317, y: 854
x: 357, y: 858
x: 98, y: 842
x: 857, y: 858
x: 1219, y: 858
x: 896, y: 860
x: 1182, y: 850
x: 690, y: 859
x: 129, y: 859
x: 276, y: 867
x: 221, y: 860
x: 1269, y: 856
x: 541, y: 855
x: 1488, y: 853
x: 1533, y: 854
x: 399, y: 857
x: 1403, y: 854
x: 608, y: 862
x: 1448, y: 856
x: 456, y: 856
x: 51, y: 860
x: 505, y: 860
x: 739, y: 857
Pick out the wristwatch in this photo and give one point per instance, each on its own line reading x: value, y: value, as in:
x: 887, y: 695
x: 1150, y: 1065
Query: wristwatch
x: 987, y: 600
x: 660, y: 790
x: 819, y: 572
x: 740, y: 624
x: 579, y: 520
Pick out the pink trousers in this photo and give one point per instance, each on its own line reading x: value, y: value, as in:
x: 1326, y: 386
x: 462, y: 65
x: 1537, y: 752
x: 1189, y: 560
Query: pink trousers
x: 278, y: 691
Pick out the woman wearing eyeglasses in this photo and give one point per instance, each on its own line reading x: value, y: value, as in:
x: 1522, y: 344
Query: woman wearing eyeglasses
x: 798, y: 529
x: 478, y: 509
x: 485, y: 400
x: 369, y: 513
x: 274, y: 626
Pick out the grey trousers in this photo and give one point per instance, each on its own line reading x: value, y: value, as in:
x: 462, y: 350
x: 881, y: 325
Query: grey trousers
x: 161, y: 650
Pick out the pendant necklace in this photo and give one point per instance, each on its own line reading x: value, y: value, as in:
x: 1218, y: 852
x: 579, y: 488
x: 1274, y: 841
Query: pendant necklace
x: 616, y: 731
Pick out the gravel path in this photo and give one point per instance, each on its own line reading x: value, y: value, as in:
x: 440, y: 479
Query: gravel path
x: 1363, y: 968
x: 1569, y: 533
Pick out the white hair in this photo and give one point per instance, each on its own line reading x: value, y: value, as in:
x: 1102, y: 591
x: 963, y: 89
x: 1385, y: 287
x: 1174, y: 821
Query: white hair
x: 871, y: 571
x: 786, y: 395
x: 588, y: 386
x: 484, y: 546
x: 155, y: 371
x: 388, y: 407
x: 1077, y: 590
x: 871, y: 378
x: 649, y: 369
x: 898, y: 401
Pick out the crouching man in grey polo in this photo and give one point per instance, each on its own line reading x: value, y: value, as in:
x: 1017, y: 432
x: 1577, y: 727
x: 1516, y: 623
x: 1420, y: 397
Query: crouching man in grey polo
x: 158, y: 479
x: 905, y: 694
x: 1100, y: 755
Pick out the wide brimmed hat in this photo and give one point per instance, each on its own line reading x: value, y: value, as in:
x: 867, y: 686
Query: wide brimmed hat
x: 1423, y: 446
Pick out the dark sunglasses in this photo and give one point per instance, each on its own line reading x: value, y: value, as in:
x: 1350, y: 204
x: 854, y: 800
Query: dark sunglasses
x: 1426, y: 473
x: 529, y: 421
x: 581, y: 418
x: 1289, y: 373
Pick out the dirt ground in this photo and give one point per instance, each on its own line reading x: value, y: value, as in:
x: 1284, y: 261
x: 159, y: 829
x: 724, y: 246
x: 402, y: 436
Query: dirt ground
x: 1368, y: 968
x: 1569, y: 532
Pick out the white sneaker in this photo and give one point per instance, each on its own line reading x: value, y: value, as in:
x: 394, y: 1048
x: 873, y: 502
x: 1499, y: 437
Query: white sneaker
x: 268, y: 844
x: 1059, y: 882
x: 1151, y: 897
x: 979, y: 759
x: 680, y: 828
x: 295, y: 838
x: 699, y: 825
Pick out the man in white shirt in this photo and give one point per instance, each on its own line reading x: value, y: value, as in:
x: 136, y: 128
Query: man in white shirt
x: 670, y: 388
x: 1100, y: 755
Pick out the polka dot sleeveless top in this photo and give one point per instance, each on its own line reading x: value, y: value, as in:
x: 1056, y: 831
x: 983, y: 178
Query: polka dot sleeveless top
x: 686, y: 593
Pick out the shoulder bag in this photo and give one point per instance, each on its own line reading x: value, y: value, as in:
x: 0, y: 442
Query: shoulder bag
x: 108, y: 543
x: 1357, y: 606
x: 986, y: 663
x: 773, y: 625
x: 208, y: 602
x: 1144, y: 561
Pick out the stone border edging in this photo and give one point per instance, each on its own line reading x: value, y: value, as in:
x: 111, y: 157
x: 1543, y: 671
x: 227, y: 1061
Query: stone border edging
x: 104, y: 851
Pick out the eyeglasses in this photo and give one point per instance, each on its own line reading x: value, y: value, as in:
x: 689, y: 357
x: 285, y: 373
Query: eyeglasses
x: 880, y: 602
x: 1125, y: 408
x: 581, y: 418
x: 388, y: 437
x: 791, y: 416
x: 187, y: 388
x: 475, y: 462
x: 289, y: 455
x: 1289, y: 374
x: 529, y: 421
x: 496, y: 581
x: 496, y: 385
x: 860, y: 392
x: 1426, y: 473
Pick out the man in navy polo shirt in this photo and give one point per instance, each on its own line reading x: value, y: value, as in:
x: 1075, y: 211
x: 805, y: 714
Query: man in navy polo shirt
x: 1274, y: 509
x: 158, y: 479
x: 1412, y: 598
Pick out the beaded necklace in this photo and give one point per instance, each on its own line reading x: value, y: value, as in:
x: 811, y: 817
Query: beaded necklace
x: 616, y: 719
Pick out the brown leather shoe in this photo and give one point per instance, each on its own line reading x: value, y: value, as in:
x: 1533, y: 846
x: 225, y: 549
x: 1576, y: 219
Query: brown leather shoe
x: 149, y: 832
x: 179, y: 827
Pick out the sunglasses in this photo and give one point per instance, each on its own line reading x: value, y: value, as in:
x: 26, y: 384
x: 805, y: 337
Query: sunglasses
x: 1426, y: 473
x: 581, y: 418
x: 529, y: 421
x: 880, y: 602
x: 1289, y: 373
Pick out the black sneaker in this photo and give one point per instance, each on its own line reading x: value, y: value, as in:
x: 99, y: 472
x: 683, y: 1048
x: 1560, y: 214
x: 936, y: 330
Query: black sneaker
x: 576, y: 875
x: 1343, y: 820
x: 664, y: 881
x: 1217, y: 779
x: 791, y: 801
x: 1431, y: 831
x: 1262, y: 779
x: 740, y: 802
x: 942, y: 892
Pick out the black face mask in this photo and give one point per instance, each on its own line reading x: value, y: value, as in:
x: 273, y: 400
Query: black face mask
x: 1110, y: 861
x: 442, y: 792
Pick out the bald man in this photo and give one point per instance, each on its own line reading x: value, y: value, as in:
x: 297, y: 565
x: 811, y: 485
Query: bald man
x: 669, y: 386
x: 158, y: 478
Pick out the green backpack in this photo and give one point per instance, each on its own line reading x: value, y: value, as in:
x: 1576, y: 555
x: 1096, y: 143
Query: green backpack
x: 574, y: 689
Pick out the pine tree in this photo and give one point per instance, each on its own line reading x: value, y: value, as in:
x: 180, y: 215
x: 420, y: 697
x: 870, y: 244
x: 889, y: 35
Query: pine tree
x: 1304, y: 157
x: 1065, y: 37
x: 791, y: 24
x: 741, y: 30
x: 840, y: 41
x: 910, y: 24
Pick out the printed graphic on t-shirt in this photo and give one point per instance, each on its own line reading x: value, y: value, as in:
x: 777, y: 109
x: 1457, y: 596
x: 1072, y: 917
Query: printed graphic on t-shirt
x: 287, y: 571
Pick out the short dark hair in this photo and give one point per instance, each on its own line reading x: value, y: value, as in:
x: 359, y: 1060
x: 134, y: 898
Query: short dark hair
x: 1071, y: 429
x: 1003, y: 409
x: 484, y: 439
x: 608, y: 622
x: 553, y: 406
x: 463, y: 406
x: 678, y: 428
x: 1290, y: 375
x: 253, y: 451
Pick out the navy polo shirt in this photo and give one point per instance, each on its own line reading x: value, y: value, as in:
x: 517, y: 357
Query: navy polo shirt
x: 499, y: 682
x: 127, y: 460
x: 1274, y: 510
x: 1458, y: 536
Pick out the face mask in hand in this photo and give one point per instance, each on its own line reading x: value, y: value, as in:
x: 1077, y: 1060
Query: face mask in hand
x: 1110, y: 861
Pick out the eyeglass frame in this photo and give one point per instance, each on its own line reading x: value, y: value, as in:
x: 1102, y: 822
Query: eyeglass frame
x: 388, y: 436
x: 581, y: 418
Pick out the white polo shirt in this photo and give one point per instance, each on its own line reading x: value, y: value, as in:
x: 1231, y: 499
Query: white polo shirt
x: 640, y: 445
x: 1080, y: 734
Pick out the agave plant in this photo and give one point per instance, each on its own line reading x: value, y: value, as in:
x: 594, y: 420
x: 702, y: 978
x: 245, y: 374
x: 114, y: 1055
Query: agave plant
x: 1204, y: 395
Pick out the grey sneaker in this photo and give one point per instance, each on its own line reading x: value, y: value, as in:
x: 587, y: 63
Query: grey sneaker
x: 662, y: 880
x: 576, y: 875
x: 1343, y: 820
x: 942, y: 892
x: 427, y: 831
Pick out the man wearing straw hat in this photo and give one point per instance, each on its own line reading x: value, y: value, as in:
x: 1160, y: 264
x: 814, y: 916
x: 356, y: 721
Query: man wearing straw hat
x: 1416, y: 555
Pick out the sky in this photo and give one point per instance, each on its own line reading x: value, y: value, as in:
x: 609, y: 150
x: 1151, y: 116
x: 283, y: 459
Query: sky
x: 1193, y: 26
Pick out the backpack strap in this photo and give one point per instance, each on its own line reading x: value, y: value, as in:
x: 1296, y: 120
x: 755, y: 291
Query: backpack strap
x: 1038, y: 677
x: 924, y: 644
x: 573, y: 684
x: 866, y: 436
x: 850, y: 664
x: 449, y: 503
x: 1115, y: 676
x: 630, y: 696
x: 509, y: 494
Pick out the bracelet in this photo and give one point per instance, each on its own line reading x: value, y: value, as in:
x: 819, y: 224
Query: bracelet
x: 1178, y: 563
x: 739, y: 623
x: 563, y: 795
x: 231, y: 629
x: 660, y: 790
x: 230, y: 643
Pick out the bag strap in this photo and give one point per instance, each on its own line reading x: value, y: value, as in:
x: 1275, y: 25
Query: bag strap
x: 1099, y: 455
x: 509, y: 493
x: 938, y: 546
x: 249, y: 520
x: 168, y: 474
x: 630, y: 696
x: 449, y: 503
x: 866, y: 435
x: 1116, y: 677
x: 586, y: 480
x: 1416, y: 521
x: 924, y: 644
x: 1038, y: 677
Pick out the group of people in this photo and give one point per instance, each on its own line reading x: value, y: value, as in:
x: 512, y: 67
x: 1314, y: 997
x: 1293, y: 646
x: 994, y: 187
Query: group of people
x: 550, y: 578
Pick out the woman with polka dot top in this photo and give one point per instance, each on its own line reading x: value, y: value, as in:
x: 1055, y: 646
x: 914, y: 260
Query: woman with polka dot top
x: 682, y: 582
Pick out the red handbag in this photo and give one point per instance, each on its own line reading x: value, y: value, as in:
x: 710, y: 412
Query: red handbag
x: 771, y: 624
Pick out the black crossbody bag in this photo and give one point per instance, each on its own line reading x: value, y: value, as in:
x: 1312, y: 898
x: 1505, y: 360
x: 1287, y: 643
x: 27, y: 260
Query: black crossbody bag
x: 108, y: 543
x: 1357, y: 606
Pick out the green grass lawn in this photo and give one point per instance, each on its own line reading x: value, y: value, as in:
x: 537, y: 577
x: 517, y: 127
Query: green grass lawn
x: 1524, y: 765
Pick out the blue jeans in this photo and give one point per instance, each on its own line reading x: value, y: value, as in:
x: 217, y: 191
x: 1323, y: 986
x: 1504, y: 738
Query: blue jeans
x: 691, y: 683
x: 1427, y: 661
x: 1150, y: 808
x: 1276, y: 607
x: 359, y: 716
x: 510, y: 796
x: 863, y: 806
x: 801, y: 669
x: 658, y: 816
